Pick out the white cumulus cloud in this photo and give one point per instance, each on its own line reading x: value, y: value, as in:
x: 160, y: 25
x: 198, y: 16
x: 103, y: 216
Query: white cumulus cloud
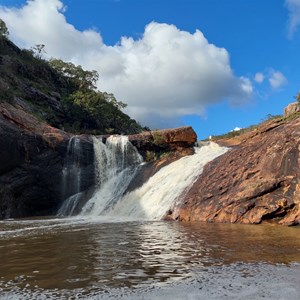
x: 42, y: 21
x: 277, y: 79
x: 166, y: 74
x: 259, y: 77
x: 293, y: 7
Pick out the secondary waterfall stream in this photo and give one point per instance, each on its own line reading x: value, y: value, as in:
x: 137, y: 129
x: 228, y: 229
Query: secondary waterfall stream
x: 71, y: 178
x: 116, y: 163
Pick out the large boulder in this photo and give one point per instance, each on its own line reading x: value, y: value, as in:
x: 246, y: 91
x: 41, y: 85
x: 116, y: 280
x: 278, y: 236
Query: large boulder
x: 160, y: 148
x: 166, y: 140
x: 291, y: 109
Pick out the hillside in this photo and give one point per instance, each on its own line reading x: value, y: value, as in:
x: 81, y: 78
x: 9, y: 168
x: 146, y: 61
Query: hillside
x: 30, y: 82
x: 37, y: 122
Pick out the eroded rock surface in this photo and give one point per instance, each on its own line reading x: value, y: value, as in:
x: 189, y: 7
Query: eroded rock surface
x: 291, y: 109
x: 174, y: 139
x: 160, y: 148
x: 256, y: 180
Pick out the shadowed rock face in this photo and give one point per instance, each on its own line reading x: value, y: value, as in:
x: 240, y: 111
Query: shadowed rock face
x: 256, y: 180
x: 31, y: 162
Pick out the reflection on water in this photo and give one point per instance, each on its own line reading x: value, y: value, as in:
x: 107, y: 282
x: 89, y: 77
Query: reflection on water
x: 58, y: 257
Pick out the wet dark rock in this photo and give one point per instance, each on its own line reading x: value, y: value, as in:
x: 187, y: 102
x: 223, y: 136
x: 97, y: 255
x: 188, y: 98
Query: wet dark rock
x: 32, y: 157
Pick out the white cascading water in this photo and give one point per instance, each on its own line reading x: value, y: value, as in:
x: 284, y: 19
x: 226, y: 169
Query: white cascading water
x: 71, y: 177
x: 116, y: 163
x: 164, y: 189
x: 70, y: 205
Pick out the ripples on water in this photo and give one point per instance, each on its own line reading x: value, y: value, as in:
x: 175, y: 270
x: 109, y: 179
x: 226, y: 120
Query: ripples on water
x: 97, y: 259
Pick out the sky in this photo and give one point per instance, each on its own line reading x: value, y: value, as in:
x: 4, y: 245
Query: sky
x: 216, y: 65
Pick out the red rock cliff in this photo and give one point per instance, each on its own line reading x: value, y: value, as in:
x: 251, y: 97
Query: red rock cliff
x: 257, y: 180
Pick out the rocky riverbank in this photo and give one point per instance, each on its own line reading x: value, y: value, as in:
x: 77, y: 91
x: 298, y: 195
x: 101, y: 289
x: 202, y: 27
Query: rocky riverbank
x: 257, y: 180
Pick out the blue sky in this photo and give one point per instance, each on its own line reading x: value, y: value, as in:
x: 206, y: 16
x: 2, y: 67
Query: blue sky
x: 212, y: 64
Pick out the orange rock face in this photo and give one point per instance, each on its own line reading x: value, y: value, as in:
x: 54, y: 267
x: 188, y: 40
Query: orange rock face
x: 28, y: 123
x: 184, y: 134
x: 257, y: 180
x: 175, y: 143
x: 176, y: 139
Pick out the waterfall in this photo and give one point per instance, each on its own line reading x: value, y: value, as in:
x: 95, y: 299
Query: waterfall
x: 165, y: 188
x: 116, y: 163
x: 71, y: 174
x: 71, y: 177
x: 70, y: 205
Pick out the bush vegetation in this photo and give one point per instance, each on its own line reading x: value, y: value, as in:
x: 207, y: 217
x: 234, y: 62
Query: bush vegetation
x: 61, y: 93
x: 250, y: 128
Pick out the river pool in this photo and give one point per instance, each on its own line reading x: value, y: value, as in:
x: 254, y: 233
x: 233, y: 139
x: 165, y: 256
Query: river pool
x: 95, y: 258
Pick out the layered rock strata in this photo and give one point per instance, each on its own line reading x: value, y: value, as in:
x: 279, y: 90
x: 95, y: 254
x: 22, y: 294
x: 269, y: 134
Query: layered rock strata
x: 257, y: 180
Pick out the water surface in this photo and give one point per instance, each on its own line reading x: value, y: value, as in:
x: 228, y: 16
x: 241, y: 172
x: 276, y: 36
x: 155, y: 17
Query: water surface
x: 98, y: 259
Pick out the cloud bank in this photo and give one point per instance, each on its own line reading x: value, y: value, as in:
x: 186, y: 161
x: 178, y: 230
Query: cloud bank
x: 164, y: 75
x: 293, y: 7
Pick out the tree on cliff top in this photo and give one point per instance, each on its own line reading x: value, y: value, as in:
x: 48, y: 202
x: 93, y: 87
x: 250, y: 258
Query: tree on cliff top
x: 86, y: 103
x: 3, y: 29
x: 84, y: 80
x: 38, y: 51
